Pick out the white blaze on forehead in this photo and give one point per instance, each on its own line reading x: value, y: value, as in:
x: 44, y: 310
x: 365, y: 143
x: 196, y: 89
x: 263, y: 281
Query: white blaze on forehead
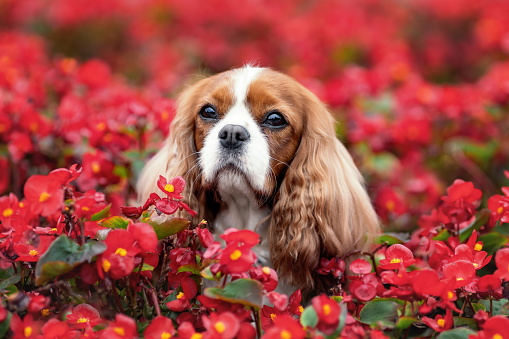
x: 255, y: 158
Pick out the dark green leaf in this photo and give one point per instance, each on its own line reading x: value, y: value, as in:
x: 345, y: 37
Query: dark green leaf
x: 115, y: 222
x: 492, y: 242
x: 189, y: 268
x: 456, y: 333
x: 379, y: 310
x: 309, y: 317
x: 104, y: 213
x: 9, y: 281
x: 405, y: 322
x: 388, y: 239
x: 5, y: 325
x: 168, y: 227
x: 498, y: 306
x: 481, y: 219
x: 464, y: 322
x: 442, y: 235
x: 62, y: 256
x: 247, y: 292
x: 478, y: 307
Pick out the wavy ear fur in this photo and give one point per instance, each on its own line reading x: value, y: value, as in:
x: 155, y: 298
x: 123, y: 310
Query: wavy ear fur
x: 178, y: 154
x: 322, y: 208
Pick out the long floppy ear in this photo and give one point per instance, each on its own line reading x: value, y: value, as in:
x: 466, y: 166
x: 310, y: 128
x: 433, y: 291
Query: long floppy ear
x: 322, y: 208
x: 178, y: 154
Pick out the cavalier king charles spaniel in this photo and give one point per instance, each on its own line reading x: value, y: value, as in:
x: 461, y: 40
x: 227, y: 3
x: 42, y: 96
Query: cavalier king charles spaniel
x: 259, y: 152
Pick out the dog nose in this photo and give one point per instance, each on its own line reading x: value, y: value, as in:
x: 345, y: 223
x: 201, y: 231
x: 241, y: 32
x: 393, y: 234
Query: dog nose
x: 233, y: 136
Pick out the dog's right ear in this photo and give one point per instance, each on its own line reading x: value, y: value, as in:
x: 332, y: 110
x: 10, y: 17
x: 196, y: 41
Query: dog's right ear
x: 178, y: 156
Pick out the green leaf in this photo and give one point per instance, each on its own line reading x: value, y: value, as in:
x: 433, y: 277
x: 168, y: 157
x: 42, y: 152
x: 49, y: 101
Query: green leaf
x: 481, y: 219
x: 9, y: 281
x: 168, y: 227
x: 5, y: 325
x: 115, y: 222
x: 63, y: 256
x: 144, y: 267
x: 492, y: 242
x: 189, y: 268
x: 477, y: 307
x: 456, y: 333
x: 497, y: 305
x: 464, y: 322
x: 247, y: 292
x: 442, y: 235
x: 379, y: 311
x: 405, y: 322
x: 309, y: 317
x: 104, y: 213
x: 388, y: 239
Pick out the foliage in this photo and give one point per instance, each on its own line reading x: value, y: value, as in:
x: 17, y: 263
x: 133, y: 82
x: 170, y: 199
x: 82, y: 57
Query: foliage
x: 420, y: 90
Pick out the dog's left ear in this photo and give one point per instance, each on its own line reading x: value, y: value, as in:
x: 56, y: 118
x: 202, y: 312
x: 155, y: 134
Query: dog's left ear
x: 322, y: 208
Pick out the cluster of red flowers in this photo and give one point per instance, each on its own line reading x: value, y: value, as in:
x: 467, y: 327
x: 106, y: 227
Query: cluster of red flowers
x: 420, y: 90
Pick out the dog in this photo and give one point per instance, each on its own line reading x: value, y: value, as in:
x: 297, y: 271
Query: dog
x: 259, y: 152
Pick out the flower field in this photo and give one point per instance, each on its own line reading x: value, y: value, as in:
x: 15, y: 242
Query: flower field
x: 420, y: 90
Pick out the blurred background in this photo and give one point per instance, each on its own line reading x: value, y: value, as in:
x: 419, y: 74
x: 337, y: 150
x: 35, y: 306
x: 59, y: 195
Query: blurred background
x: 420, y: 88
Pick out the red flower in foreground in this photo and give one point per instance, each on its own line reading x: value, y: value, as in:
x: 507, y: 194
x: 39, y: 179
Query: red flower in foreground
x: 440, y: 323
x: 461, y: 271
x: 160, y: 328
x: 84, y: 315
x: 494, y: 328
x: 235, y: 259
x: 44, y: 193
x: 285, y: 327
x: 225, y: 325
x: 396, y: 256
x: 172, y: 188
x: 327, y: 309
x: 30, y: 253
x: 502, y: 261
x: 26, y: 328
x: 122, y: 327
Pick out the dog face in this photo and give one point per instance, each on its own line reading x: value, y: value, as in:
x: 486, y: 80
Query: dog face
x: 256, y: 134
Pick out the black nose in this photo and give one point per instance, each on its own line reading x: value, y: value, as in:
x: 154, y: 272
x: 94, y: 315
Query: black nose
x: 233, y: 136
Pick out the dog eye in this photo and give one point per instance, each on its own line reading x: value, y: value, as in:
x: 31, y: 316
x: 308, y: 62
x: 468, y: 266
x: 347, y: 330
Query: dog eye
x: 208, y: 112
x: 274, y: 119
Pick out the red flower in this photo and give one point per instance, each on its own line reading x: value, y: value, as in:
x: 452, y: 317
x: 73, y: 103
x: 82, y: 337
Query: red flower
x: 225, y: 325
x: 122, y: 327
x: 84, y: 315
x: 237, y: 259
x: 145, y: 236
x: 118, y: 259
x: 280, y: 301
x: 461, y: 271
x: 360, y: 266
x: 160, y: 328
x: 44, y: 193
x: 440, y: 323
x: 240, y: 237
x: 335, y: 266
x: 26, y: 328
x: 502, y: 262
x: 490, y: 285
x: 56, y: 329
x: 460, y: 203
x: 267, y: 276
x: 494, y: 328
x: 397, y: 256
x: 327, y: 309
x: 172, y: 188
x: 285, y: 327
x: 26, y: 250
x: 181, y: 303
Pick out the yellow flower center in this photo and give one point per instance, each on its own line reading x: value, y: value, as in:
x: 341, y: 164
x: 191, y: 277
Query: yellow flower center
x: 101, y: 126
x: 180, y: 295
x: 460, y: 279
x: 21, y: 205
x: 8, y: 212
x: 28, y: 331
x: 196, y: 336
x: 235, y: 255
x: 169, y: 188
x: 266, y: 270
x: 96, y: 167
x: 106, y: 265
x: 220, y: 327
x: 450, y: 295
x: 44, y: 196
x: 165, y: 335
x: 33, y: 253
x: 121, y: 252
x: 500, y: 210
x: 119, y: 331
x: 441, y: 322
x: 301, y: 309
x: 85, y: 208
x: 165, y: 115
x: 82, y: 320
x: 475, y: 264
x: 45, y: 312
x: 478, y: 247
x: 34, y: 127
x: 326, y: 309
x: 273, y: 316
x: 286, y: 334
x: 396, y: 261
x: 389, y: 205
x: 497, y: 336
